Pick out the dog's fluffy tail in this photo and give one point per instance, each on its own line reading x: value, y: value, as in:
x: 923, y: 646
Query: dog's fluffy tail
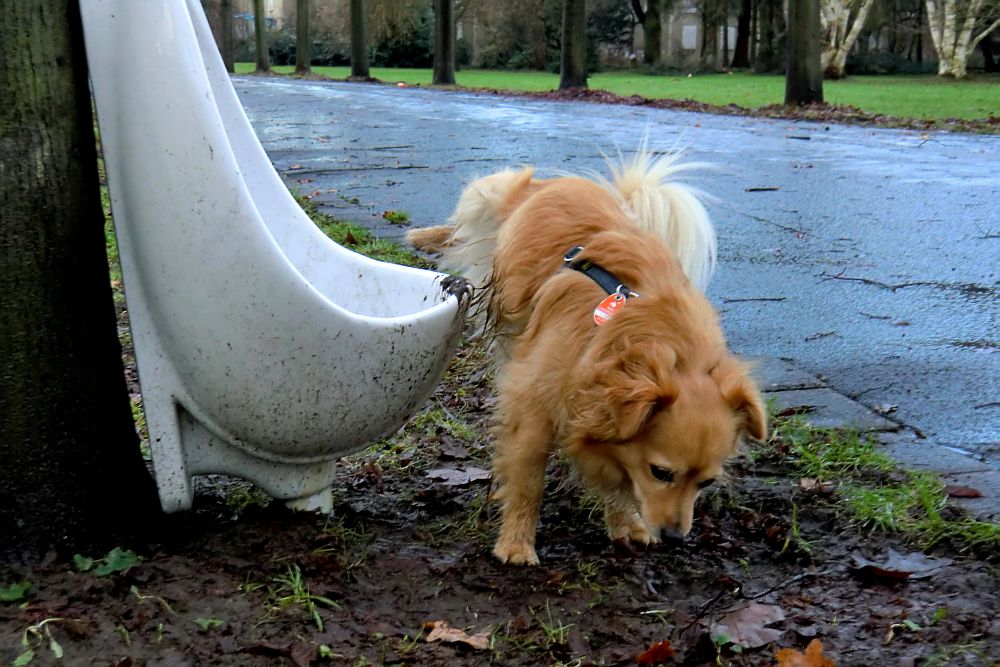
x: 431, y: 239
x: 655, y: 201
x: 468, y: 242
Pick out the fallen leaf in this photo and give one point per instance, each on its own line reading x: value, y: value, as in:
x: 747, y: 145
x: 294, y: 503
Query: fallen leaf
x: 816, y: 485
x: 452, y: 448
x: 747, y: 626
x: 956, y: 491
x: 793, y: 410
x: 655, y: 654
x: 899, y: 567
x: 884, y: 408
x: 440, y: 631
x: 302, y: 654
x: 812, y: 657
x: 456, y: 477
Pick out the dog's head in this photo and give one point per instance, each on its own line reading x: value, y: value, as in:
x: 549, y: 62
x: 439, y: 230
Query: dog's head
x: 659, y: 425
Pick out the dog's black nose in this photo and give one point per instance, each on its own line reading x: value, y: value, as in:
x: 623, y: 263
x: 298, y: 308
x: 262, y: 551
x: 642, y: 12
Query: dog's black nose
x: 670, y: 536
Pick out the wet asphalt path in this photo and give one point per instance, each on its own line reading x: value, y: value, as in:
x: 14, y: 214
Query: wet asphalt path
x: 868, y: 257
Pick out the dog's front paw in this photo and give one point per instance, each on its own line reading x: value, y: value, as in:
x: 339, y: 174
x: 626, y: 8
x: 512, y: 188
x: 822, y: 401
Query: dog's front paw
x: 515, y: 552
x: 638, y: 533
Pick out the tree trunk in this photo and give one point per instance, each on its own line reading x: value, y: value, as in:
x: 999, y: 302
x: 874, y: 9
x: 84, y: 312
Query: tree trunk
x: 991, y: 59
x: 71, y: 475
x: 837, y: 39
x: 303, y: 57
x: 260, y: 36
x: 444, y: 44
x: 804, y: 75
x: 359, y: 41
x: 573, y: 73
x: 226, y: 25
x: 652, y: 32
x: 770, y: 51
x: 741, y: 53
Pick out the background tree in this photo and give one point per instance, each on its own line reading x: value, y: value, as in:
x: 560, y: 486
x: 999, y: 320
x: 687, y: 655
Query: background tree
x: 842, y: 22
x: 652, y: 30
x: 260, y: 37
x: 770, y: 53
x: 359, y: 41
x: 70, y: 470
x: 952, y: 24
x: 573, y: 73
x: 804, y: 75
x: 444, y: 44
x: 226, y: 37
x: 741, y: 51
x: 302, y: 50
x: 714, y: 19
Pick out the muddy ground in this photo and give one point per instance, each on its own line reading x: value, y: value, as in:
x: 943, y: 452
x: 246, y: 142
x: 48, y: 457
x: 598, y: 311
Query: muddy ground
x: 243, y: 581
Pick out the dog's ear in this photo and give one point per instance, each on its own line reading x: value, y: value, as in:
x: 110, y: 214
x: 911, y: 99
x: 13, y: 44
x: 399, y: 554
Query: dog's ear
x: 743, y: 396
x: 619, y: 393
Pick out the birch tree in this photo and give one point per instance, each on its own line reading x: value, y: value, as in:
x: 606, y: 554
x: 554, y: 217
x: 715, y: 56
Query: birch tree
x: 842, y: 21
x: 952, y: 23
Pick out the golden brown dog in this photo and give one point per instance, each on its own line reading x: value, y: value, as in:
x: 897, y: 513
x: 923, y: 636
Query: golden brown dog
x: 650, y: 403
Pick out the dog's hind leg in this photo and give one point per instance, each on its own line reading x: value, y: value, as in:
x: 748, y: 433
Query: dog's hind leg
x: 522, y: 452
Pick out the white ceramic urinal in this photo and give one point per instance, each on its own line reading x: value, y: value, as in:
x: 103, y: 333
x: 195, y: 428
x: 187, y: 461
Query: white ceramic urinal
x: 264, y: 349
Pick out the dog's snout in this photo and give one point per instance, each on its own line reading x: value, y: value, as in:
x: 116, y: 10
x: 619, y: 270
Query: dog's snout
x: 670, y: 536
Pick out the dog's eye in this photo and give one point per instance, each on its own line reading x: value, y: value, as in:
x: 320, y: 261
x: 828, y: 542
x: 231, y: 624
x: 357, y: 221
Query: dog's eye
x: 662, y: 474
x: 706, y: 483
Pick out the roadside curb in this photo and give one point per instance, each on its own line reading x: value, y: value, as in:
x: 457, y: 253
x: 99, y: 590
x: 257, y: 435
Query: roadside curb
x: 795, y: 390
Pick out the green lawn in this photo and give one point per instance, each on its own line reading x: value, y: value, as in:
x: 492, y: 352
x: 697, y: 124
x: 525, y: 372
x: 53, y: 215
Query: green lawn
x: 905, y: 96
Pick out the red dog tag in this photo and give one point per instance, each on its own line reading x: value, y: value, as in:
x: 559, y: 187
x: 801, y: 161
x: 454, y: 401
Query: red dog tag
x: 608, y: 308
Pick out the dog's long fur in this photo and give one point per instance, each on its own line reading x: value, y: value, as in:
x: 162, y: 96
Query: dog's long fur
x: 648, y: 405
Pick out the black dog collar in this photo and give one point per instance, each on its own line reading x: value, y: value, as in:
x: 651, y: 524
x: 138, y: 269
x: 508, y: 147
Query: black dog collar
x: 599, y: 275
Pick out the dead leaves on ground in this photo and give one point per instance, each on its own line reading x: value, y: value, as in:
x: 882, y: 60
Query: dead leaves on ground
x: 897, y: 567
x: 457, y: 476
x: 440, y: 631
x: 812, y: 657
x: 657, y: 653
x: 747, y: 626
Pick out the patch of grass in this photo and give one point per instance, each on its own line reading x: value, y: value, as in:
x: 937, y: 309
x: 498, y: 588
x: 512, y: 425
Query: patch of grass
x: 555, y: 632
x: 358, y: 238
x: 440, y: 420
x: 828, y: 454
x: 916, y: 506
x: 32, y: 639
x: 974, y: 653
x: 290, y: 590
x: 242, y: 495
x: 351, y: 544
x: 924, y: 96
x: 474, y: 525
x: 396, y: 217
x: 116, y: 560
x: 878, y: 494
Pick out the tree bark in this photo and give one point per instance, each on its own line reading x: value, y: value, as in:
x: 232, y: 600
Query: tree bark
x: 359, y: 41
x: 303, y: 57
x: 804, y: 75
x: 652, y: 32
x: 573, y: 73
x: 226, y: 25
x: 769, y: 55
x: 837, y: 39
x: 444, y: 44
x: 260, y: 37
x: 741, y: 52
x: 71, y: 475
